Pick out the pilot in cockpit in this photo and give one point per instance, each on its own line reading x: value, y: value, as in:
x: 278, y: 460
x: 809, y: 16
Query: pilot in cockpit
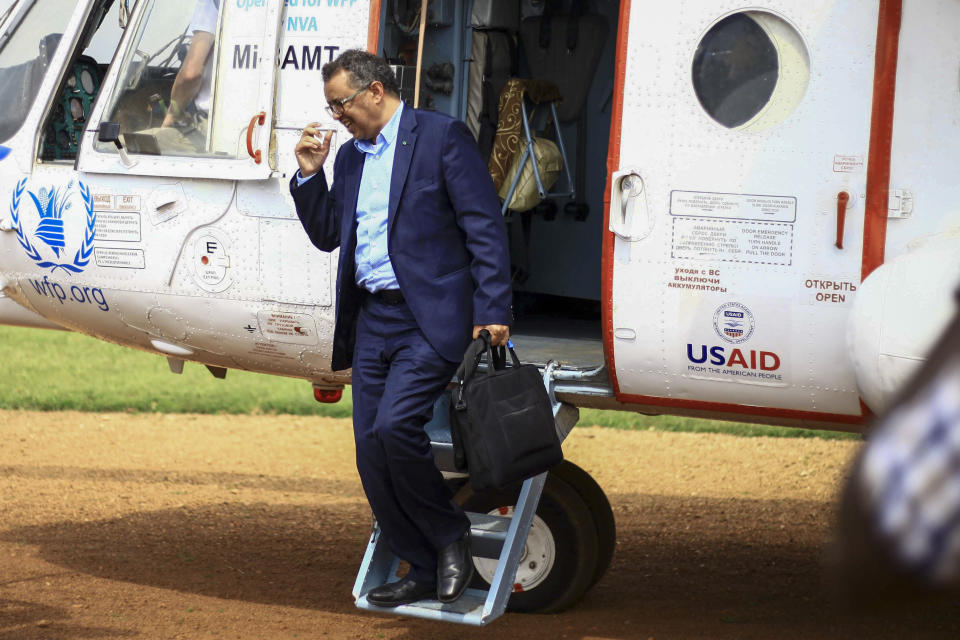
x: 186, y: 121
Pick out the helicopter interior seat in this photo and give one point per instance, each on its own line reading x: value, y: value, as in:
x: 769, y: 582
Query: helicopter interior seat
x: 565, y: 49
x: 66, y: 123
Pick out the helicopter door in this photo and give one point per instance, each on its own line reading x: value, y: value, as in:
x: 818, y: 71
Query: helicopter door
x: 742, y: 141
x: 191, y: 90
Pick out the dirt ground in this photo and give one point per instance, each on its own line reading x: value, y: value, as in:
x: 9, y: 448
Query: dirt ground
x: 183, y: 526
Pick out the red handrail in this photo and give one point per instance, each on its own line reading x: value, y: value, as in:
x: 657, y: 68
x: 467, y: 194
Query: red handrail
x: 257, y: 119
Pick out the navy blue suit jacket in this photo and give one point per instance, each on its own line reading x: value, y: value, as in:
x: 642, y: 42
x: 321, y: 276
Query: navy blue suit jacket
x: 445, y: 235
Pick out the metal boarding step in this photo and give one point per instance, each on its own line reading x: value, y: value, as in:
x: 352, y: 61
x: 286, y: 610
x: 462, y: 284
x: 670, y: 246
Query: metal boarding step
x: 497, y: 537
x: 503, y: 538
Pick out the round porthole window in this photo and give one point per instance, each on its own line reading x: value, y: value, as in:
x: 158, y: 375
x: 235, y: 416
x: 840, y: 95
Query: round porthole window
x: 750, y: 70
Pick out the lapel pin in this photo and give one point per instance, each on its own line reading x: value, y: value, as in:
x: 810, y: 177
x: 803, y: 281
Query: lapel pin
x: 404, y: 143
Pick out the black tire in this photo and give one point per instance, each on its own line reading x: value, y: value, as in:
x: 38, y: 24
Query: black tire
x: 574, y: 533
x: 599, y: 506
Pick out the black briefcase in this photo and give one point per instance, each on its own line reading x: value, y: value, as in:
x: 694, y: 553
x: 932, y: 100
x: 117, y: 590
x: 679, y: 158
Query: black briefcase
x: 501, y: 420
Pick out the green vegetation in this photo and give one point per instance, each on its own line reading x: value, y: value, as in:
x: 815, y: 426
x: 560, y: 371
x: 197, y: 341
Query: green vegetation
x: 54, y: 371
x: 58, y: 370
x: 624, y: 420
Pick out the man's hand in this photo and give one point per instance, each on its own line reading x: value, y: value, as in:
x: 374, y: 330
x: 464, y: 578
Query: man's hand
x: 312, y: 153
x: 499, y: 333
x: 174, y: 114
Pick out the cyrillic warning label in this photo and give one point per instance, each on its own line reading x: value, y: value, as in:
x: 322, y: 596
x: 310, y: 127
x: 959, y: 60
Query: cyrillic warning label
x: 847, y: 164
x: 123, y: 227
x: 732, y: 241
x: 297, y: 328
x: 119, y: 258
x: 733, y: 206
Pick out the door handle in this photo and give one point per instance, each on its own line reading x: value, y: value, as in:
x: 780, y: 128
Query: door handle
x: 630, y: 188
x: 260, y: 118
x: 629, y: 217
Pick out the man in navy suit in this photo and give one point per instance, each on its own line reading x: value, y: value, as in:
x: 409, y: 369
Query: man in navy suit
x: 424, y: 267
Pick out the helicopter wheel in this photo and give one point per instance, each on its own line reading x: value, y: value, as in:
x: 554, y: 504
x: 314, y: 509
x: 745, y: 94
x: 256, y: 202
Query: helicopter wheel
x: 563, y: 556
x: 599, y: 507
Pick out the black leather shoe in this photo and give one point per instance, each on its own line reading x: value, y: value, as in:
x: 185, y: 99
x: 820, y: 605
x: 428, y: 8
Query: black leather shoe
x: 454, y: 569
x: 405, y: 591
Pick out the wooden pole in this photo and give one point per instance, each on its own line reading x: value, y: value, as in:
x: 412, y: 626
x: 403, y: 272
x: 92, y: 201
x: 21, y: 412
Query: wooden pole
x: 423, y: 31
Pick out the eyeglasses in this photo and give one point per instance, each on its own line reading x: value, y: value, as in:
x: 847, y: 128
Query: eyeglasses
x: 335, y: 108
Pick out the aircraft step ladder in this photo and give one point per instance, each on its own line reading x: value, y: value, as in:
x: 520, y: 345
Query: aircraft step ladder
x: 500, y: 537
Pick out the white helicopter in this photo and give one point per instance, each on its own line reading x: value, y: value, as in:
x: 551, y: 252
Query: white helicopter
x: 755, y: 216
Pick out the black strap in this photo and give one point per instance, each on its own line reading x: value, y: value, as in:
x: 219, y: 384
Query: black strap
x: 499, y: 358
x: 573, y: 24
x: 545, y: 34
x: 573, y: 32
x: 472, y: 357
x: 496, y: 357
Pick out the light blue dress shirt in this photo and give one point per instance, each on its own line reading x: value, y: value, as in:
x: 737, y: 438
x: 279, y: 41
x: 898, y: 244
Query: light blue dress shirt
x: 374, y: 271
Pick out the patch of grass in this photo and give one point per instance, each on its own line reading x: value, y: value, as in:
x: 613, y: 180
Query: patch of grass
x: 626, y: 420
x: 57, y: 370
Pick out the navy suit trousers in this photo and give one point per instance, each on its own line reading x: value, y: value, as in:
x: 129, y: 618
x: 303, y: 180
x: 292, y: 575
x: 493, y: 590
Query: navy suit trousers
x: 397, y: 377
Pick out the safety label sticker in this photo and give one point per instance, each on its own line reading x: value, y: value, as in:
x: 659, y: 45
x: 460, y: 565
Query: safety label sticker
x: 269, y: 350
x: 847, y: 164
x: 120, y: 258
x: 118, y: 226
x: 732, y: 241
x: 733, y: 206
x: 295, y: 328
x: 127, y: 203
x: 103, y: 202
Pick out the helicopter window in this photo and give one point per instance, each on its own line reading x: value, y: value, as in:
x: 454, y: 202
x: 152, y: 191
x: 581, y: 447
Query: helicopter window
x: 25, y: 59
x: 750, y: 70
x: 164, y: 98
x: 67, y: 117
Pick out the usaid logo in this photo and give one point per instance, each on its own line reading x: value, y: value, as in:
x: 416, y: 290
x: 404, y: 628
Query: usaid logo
x: 55, y: 226
x: 733, y: 322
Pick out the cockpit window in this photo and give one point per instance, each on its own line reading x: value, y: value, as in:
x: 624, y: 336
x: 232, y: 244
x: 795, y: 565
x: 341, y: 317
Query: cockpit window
x: 164, y: 100
x: 750, y: 70
x: 25, y: 59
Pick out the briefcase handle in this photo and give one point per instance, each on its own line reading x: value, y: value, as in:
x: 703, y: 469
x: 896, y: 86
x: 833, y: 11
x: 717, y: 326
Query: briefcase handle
x: 496, y: 356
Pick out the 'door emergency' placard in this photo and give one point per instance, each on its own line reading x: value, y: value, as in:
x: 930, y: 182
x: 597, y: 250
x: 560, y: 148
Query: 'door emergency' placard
x: 732, y: 241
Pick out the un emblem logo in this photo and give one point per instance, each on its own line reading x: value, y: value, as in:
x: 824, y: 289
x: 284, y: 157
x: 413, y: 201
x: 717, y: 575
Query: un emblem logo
x: 59, y: 220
